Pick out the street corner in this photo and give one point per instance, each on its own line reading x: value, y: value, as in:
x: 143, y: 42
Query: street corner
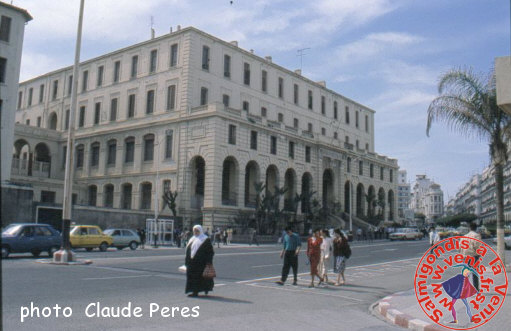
x: 392, y: 309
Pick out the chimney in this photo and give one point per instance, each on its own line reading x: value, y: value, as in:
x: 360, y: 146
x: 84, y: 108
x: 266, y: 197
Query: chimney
x: 268, y: 58
x: 235, y: 43
x: 322, y: 83
x: 179, y: 28
x: 152, y: 33
x: 298, y: 72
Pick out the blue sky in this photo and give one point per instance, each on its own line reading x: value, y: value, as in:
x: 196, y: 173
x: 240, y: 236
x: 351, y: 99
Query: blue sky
x: 385, y: 54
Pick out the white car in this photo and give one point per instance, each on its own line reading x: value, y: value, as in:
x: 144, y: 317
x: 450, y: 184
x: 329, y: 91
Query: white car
x: 124, y: 238
x: 406, y: 233
x: 507, y: 241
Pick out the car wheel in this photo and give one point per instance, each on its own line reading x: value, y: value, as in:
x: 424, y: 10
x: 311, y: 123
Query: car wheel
x: 89, y: 249
x: 52, y: 251
x: 133, y: 245
x: 35, y: 253
x: 103, y: 247
x: 5, y: 252
x: 120, y: 248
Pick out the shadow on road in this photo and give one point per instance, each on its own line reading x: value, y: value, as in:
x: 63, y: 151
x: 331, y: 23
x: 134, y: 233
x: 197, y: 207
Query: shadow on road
x: 222, y: 299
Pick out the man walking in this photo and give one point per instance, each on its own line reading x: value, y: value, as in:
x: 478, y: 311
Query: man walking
x: 434, y: 237
x: 292, y: 246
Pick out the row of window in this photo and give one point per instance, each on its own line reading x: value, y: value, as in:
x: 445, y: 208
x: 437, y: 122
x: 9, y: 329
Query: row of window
x: 231, y: 139
x: 280, y: 88
x: 129, y: 151
x: 116, y: 74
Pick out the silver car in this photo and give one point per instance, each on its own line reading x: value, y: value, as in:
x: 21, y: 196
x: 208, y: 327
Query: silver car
x: 123, y: 238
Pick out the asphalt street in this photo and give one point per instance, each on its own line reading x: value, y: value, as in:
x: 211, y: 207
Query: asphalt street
x: 245, y: 296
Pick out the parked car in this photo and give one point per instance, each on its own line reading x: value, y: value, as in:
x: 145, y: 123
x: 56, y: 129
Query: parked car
x: 406, y: 234
x: 124, y: 238
x: 30, y: 237
x: 89, y: 237
x: 507, y: 241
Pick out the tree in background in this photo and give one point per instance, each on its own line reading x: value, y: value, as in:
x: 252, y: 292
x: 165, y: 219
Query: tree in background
x: 467, y: 103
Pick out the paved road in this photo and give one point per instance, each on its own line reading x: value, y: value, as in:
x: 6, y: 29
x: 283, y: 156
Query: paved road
x: 245, y: 296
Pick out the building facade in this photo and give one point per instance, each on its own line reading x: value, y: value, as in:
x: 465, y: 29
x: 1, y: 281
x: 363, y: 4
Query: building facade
x: 427, y: 198
x: 12, y: 29
x: 191, y: 113
x: 467, y: 199
x: 404, y: 195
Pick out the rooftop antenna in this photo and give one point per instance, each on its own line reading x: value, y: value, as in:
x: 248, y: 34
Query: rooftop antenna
x: 301, y: 53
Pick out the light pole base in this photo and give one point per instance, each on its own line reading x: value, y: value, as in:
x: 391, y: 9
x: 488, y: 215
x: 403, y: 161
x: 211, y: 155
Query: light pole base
x: 63, y: 256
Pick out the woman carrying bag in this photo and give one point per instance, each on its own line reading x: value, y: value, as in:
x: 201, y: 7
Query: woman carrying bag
x: 199, y: 263
x: 342, y: 252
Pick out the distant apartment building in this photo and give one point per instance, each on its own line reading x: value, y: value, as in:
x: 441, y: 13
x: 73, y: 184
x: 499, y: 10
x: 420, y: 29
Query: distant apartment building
x: 12, y: 29
x: 468, y: 199
x: 427, y: 198
x: 403, y: 194
x: 191, y: 113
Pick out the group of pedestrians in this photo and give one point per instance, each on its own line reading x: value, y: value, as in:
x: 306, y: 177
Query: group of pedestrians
x: 320, y: 247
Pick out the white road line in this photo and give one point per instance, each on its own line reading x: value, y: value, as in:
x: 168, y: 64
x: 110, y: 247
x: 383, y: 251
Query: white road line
x: 306, y: 273
x: 117, y: 277
x: 305, y: 291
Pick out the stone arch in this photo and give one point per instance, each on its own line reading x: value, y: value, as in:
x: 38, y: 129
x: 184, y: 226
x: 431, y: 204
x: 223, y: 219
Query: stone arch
x: 306, y: 192
x: 272, y: 178
x: 230, y: 170
x: 328, y: 188
x: 197, y: 182
x: 252, y: 174
x: 391, y: 203
x: 146, y: 193
x: 290, y: 187
x: 108, y: 195
x: 360, y: 200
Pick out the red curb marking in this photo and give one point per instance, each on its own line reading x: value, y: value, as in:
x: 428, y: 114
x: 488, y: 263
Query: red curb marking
x: 402, y: 320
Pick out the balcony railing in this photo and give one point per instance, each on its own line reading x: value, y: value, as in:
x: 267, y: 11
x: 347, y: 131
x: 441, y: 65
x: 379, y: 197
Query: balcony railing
x: 22, y: 167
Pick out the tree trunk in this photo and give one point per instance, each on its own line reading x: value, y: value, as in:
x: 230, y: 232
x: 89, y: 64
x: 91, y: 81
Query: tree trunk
x: 499, y: 183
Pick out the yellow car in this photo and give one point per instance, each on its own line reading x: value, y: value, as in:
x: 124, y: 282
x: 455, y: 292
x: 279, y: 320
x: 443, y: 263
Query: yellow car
x: 89, y: 237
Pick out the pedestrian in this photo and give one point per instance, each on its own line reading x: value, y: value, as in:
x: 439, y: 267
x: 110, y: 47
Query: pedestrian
x: 199, y: 253
x: 177, y: 235
x: 224, y: 236
x: 253, y: 237
x: 326, y: 248
x: 217, y: 237
x: 184, y: 237
x: 471, y: 251
x: 291, y: 247
x: 342, y: 252
x: 371, y: 234
x: 207, y: 233
x: 229, y: 236
x: 314, y: 255
x: 359, y: 234
x: 141, y: 234
x: 434, y: 237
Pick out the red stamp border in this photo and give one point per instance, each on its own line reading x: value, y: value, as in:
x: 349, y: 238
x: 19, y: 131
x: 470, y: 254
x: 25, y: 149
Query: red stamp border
x: 427, y: 253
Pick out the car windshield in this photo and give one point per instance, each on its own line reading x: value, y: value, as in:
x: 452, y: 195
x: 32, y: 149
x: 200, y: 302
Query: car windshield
x: 108, y: 232
x: 11, y: 230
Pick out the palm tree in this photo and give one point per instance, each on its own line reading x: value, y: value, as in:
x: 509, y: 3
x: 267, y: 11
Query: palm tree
x: 468, y: 104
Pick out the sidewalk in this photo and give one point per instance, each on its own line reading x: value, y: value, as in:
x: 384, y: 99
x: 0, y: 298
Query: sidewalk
x: 402, y: 309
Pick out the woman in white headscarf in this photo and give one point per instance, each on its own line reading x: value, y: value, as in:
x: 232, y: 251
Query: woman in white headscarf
x: 199, y: 253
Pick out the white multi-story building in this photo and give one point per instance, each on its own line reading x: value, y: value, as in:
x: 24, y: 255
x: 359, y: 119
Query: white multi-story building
x: 205, y: 117
x: 12, y: 29
x: 427, y: 198
x: 403, y: 194
x: 467, y: 199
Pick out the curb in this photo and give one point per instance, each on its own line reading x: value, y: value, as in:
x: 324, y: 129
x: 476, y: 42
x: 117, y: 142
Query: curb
x: 385, y: 309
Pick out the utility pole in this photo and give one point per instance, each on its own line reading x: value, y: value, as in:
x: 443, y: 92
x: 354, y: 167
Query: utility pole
x: 65, y: 254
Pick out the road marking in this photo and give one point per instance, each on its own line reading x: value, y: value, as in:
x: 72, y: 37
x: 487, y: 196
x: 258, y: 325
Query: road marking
x: 178, y: 257
x: 266, y: 265
x: 280, y: 288
x: 307, y: 273
x: 116, y: 277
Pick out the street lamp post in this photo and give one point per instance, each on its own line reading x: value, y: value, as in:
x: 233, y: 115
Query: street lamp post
x: 65, y: 254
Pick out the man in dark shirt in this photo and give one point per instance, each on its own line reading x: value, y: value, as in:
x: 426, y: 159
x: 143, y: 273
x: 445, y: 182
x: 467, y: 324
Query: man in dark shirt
x: 292, y: 246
